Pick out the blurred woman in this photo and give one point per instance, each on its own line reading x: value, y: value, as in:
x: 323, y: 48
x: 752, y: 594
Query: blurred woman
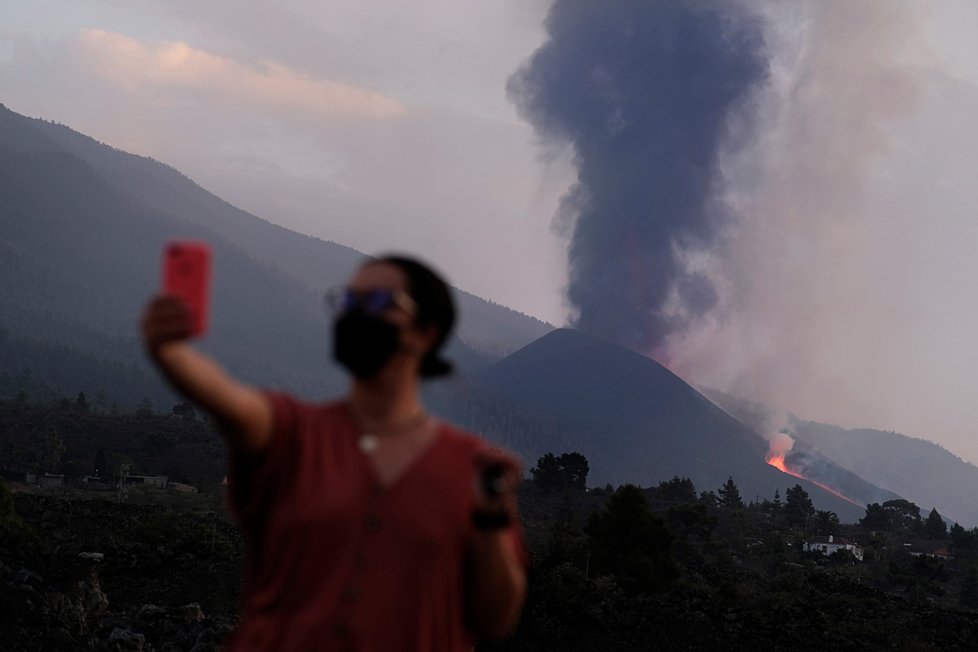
x: 370, y: 524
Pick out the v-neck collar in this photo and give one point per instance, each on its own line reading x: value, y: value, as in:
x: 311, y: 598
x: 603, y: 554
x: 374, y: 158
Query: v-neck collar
x: 373, y: 474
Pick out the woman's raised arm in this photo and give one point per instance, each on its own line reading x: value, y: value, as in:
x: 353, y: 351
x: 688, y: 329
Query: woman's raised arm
x: 243, y: 413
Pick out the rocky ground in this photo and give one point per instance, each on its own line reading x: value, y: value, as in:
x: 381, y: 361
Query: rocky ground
x: 98, y: 575
x: 89, y: 573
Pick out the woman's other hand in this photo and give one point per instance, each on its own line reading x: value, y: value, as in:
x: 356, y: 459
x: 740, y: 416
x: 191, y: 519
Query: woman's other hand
x: 497, y: 586
x: 497, y: 475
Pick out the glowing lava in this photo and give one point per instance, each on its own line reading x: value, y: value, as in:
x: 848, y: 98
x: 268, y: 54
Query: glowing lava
x: 777, y: 461
x: 780, y: 445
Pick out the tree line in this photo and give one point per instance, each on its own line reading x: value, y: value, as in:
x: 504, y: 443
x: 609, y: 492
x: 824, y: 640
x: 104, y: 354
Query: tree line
x: 671, y: 567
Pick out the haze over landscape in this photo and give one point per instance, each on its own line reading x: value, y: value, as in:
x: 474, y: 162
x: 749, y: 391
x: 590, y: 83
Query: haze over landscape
x: 714, y: 264
x: 822, y: 265
x: 834, y: 278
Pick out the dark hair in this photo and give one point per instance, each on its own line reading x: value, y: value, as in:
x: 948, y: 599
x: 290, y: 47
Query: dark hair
x: 433, y: 297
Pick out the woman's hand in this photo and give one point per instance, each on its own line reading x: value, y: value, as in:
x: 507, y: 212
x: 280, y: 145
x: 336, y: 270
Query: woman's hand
x: 165, y: 320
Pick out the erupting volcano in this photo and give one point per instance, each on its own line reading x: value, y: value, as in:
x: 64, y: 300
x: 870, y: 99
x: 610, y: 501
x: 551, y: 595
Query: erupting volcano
x: 780, y: 445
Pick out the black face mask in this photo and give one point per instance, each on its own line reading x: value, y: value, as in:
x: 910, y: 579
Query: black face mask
x: 364, y: 343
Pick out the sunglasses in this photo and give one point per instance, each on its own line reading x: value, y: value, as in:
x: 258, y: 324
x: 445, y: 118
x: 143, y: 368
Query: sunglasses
x: 343, y: 299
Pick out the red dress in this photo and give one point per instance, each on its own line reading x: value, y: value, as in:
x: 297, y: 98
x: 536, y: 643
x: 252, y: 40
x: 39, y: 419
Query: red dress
x: 338, y: 562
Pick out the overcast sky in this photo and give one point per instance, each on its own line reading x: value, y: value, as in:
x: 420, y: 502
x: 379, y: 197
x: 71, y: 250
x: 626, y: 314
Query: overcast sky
x: 377, y: 125
x: 847, y: 286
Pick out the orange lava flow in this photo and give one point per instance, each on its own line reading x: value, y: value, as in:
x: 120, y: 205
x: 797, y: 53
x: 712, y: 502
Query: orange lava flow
x: 777, y: 461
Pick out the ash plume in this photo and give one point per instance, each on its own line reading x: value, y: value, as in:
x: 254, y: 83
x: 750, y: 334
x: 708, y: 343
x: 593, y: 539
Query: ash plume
x: 647, y: 93
x: 820, y: 309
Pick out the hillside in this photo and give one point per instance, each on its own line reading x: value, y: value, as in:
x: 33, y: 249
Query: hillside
x: 628, y: 570
x: 315, y: 263
x: 917, y: 469
x: 636, y: 421
x: 922, y: 471
x: 79, y: 262
x: 81, y: 229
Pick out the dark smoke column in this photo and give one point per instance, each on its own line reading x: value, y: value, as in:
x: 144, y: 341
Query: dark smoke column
x: 644, y: 90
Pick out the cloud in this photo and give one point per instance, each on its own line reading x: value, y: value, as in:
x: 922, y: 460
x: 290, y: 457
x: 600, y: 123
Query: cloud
x: 175, y: 67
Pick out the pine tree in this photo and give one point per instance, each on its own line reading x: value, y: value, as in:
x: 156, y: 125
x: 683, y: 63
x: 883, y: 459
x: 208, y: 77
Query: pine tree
x: 798, y: 508
x: 729, y: 495
x: 957, y: 533
x: 709, y: 500
x: 935, y: 527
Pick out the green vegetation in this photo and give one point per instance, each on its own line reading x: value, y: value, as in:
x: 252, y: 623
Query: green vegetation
x: 665, y: 568
x: 907, y: 465
x: 569, y: 471
x: 626, y: 568
x: 77, y: 439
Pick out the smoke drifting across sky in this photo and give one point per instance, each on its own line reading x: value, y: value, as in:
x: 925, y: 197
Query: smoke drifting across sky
x: 844, y: 272
x: 647, y: 94
x: 810, y: 242
x: 815, y: 312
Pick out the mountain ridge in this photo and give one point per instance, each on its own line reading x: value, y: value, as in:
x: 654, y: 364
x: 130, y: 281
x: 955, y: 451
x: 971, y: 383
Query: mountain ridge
x: 650, y: 422
x: 81, y: 255
x: 493, y: 328
x: 925, y: 472
x: 918, y: 469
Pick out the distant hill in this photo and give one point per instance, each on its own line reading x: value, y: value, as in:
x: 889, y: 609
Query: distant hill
x: 81, y: 229
x: 916, y: 469
x: 636, y: 421
x: 80, y: 260
x: 919, y: 470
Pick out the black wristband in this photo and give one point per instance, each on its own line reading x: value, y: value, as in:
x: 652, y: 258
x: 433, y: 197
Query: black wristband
x: 490, y: 521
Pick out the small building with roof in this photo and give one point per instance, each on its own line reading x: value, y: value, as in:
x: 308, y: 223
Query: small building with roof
x: 830, y: 544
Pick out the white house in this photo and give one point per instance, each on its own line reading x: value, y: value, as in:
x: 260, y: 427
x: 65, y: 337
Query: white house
x: 830, y: 544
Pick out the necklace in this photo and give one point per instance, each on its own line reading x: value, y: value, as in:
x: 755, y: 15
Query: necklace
x: 369, y: 442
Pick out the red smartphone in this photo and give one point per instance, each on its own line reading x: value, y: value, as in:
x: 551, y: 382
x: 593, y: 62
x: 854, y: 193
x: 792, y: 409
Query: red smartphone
x: 187, y: 275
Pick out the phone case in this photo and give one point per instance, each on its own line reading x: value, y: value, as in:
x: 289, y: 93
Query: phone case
x: 187, y: 275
